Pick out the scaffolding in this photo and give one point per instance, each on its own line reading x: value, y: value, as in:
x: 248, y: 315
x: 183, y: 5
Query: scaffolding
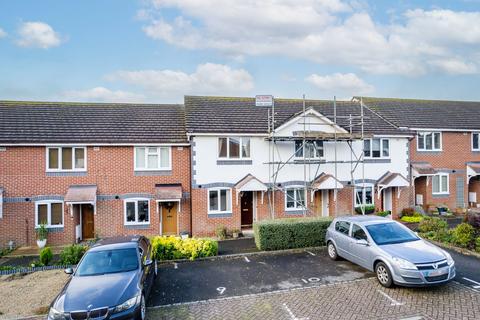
x: 309, y: 138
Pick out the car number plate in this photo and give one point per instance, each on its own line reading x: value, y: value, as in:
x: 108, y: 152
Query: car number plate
x: 434, y: 273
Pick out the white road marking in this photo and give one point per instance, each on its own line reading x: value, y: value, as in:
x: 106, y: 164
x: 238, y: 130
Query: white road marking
x: 311, y: 280
x: 413, y: 318
x: 221, y: 290
x: 292, y: 316
x: 311, y: 253
x: 175, y: 265
x: 264, y: 263
x: 393, y: 301
x: 246, y: 259
x: 477, y: 286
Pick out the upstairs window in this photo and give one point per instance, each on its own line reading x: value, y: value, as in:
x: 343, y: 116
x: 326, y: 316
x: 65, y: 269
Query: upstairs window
x: 429, y: 141
x: 476, y: 141
x: 313, y: 149
x: 219, y: 201
x: 376, y: 148
x: 152, y: 158
x: 234, y: 148
x: 137, y: 211
x: 49, y: 213
x: 66, y: 158
x: 295, y: 199
x: 440, y: 183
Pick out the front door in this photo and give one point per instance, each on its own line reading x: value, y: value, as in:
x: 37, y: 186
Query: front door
x: 325, y: 204
x: 88, y: 230
x: 169, y: 218
x: 247, y: 209
x: 387, y: 199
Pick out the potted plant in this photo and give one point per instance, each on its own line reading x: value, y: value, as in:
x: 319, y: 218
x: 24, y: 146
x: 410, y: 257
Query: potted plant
x: 42, y: 233
x: 235, y: 233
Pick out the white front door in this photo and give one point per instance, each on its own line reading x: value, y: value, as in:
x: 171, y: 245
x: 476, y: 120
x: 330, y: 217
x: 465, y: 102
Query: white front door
x: 387, y: 199
x: 325, y: 204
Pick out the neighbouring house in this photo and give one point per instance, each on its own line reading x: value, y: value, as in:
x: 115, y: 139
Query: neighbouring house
x: 240, y: 176
x: 445, y: 155
x: 90, y: 170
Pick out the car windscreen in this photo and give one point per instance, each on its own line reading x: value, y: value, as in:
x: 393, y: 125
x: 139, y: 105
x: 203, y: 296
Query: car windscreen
x: 390, y: 233
x: 108, y: 261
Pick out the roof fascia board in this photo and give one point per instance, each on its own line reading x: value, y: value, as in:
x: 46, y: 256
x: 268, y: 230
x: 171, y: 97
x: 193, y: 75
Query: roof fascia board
x: 231, y: 134
x: 91, y: 144
x: 440, y: 129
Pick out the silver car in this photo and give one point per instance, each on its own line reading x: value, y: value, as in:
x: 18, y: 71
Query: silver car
x: 395, y: 253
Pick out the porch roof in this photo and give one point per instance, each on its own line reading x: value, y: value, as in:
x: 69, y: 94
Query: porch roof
x: 86, y: 193
x: 168, y: 191
x: 250, y: 183
x: 474, y: 166
x: 423, y: 169
x: 326, y: 181
x: 392, y: 179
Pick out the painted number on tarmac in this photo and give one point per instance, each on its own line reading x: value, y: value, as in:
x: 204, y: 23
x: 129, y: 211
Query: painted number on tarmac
x: 221, y: 290
x: 311, y: 280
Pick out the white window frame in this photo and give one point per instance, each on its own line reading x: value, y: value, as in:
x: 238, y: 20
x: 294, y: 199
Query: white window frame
x: 440, y: 175
x: 49, y: 213
x: 139, y: 167
x: 297, y: 205
x: 478, y: 138
x: 303, y: 151
x: 60, y: 154
x: 363, y: 187
x: 229, y: 201
x: 423, y: 134
x: 381, y: 148
x: 241, y: 157
x: 135, y: 223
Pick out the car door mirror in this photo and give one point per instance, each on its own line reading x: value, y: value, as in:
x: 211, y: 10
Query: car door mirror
x: 362, y: 242
x: 68, y: 271
x: 147, y: 263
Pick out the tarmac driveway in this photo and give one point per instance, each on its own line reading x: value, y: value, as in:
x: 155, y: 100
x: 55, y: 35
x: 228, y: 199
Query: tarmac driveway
x: 211, y: 279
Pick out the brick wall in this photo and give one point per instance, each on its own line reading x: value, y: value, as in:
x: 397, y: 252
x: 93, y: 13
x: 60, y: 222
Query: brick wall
x: 23, y: 177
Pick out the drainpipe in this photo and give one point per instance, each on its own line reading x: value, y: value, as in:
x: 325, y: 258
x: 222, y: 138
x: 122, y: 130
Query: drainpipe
x: 191, y: 186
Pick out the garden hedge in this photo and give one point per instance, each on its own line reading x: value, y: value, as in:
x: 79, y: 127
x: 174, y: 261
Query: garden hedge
x: 171, y: 248
x: 290, y: 233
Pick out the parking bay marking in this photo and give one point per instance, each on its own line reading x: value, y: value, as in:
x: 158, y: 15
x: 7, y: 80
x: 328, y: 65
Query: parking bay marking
x: 311, y: 253
x: 477, y: 284
x: 246, y: 259
x: 175, y: 265
x: 292, y: 316
x: 311, y: 280
x: 221, y: 290
x: 393, y: 301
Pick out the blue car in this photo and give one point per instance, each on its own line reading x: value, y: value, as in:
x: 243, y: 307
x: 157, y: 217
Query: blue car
x: 112, y: 281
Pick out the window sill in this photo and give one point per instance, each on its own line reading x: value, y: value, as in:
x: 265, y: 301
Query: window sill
x: 234, y: 162
x: 433, y: 150
x: 219, y: 215
x: 50, y: 227
x: 156, y: 169
x: 66, y: 173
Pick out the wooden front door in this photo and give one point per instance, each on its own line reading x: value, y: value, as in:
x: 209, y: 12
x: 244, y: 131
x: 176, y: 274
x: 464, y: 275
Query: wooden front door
x: 246, y: 208
x: 88, y: 229
x: 169, y: 218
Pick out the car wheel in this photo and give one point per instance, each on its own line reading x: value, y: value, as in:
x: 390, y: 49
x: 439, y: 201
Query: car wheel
x: 143, y: 308
x: 384, y: 276
x: 332, y: 251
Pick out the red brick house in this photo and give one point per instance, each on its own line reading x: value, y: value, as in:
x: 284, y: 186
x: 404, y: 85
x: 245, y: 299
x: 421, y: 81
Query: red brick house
x: 91, y: 170
x: 445, y: 155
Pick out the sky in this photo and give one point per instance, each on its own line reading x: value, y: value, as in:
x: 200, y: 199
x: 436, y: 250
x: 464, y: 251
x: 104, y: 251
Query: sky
x: 157, y: 51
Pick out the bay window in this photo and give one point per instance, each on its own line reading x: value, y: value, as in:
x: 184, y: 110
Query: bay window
x: 234, y: 148
x: 440, y: 183
x: 50, y: 213
x: 429, y: 141
x: 219, y: 201
x: 152, y: 158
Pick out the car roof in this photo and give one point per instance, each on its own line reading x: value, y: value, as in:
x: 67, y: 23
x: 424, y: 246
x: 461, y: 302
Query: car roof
x: 118, y: 242
x: 364, y: 220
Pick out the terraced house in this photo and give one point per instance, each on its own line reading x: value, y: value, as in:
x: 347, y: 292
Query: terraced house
x: 445, y: 155
x: 233, y: 162
x: 92, y: 169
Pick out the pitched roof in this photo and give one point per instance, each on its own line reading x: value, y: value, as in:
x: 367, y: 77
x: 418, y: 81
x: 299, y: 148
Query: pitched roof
x: 240, y: 115
x: 427, y: 114
x: 62, y: 122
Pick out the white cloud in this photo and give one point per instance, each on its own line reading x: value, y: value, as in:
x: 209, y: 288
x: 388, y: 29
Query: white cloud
x: 101, y: 94
x: 208, y: 78
x: 37, y: 35
x: 3, y: 34
x: 324, y: 31
x: 343, y: 84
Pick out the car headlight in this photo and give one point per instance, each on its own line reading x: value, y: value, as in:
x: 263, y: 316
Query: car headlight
x: 54, y: 314
x: 404, y: 264
x: 450, y: 260
x: 128, y: 304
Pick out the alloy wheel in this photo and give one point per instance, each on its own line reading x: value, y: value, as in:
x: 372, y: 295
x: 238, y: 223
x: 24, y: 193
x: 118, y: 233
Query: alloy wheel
x: 143, y: 308
x: 382, y: 274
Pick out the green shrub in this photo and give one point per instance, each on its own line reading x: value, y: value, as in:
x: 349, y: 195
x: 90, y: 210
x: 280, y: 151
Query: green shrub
x: 171, y: 248
x: 71, y: 255
x: 42, y: 231
x: 46, y: 256
x: 407, y: 212
x: 412, y: 219
x: 463, y: 235
x: 221, y: 232
x: 368, y: 209
x: 477, y: 244
x: 383, y: 213
x: 443, y: 235
x: 290, y: 233
x: 432, y: 224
